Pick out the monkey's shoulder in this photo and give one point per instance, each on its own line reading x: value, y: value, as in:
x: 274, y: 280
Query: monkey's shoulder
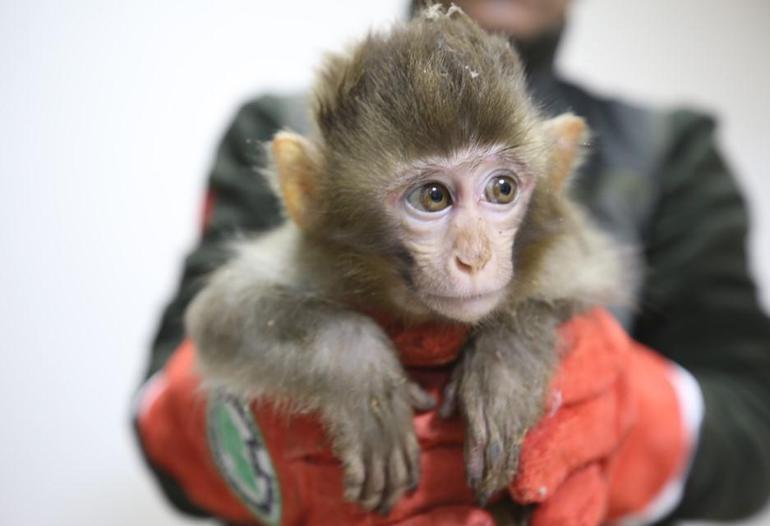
x: 281, y: 256
x: 585, y: 266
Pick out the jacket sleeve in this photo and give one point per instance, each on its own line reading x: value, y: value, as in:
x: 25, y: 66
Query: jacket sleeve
x: 699, y: 307
x: 238, y: 201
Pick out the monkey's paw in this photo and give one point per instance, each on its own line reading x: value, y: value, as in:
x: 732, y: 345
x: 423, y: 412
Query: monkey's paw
x: 372, y: 433
x: 498, y: 410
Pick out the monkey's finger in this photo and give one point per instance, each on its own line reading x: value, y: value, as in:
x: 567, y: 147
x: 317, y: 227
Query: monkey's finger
x: 412, y: 453
x: 419, y: 398
x: 496, y: 479
x: 474, y: 448
x: 494, y: 449
x: 405, y: 438
x: 449, y: 404
x: 511, y: 463
x: 371, y: 496
x: 493, y: 468
x: 354, y: 475
x: 470, y: 400
x: 396, y: 484
x: 475, y: 464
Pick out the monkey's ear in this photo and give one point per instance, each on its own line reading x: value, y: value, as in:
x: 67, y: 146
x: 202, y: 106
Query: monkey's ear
x: 569, y: 134
x: 296, y: 165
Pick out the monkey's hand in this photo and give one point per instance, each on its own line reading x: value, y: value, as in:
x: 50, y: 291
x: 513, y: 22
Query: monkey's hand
x: 371, y: 431
x: 366, y: 405
x: 498, y: 390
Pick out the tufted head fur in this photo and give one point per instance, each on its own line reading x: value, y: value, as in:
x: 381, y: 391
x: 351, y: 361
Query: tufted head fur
x: 430, y: 88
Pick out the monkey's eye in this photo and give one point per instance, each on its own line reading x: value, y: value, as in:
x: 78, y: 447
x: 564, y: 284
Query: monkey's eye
x: 431, y: 197
x: 501, y: 189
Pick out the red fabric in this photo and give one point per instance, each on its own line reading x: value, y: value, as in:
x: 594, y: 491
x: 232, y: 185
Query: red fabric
x: 581, y: 501
x: 592, y: 454
x: 655, y: 449
x: 617, y: 437
x: 425, y: 345
x: 207, y: 210
x: 173, y: 432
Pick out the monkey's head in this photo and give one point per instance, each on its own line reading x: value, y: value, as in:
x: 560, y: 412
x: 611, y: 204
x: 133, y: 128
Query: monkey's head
x: 429, y: 163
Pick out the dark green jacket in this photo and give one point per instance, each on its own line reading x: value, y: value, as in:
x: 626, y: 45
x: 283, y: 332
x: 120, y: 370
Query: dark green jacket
x: 652, y: 178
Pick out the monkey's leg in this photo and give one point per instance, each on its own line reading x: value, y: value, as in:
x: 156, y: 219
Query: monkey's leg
x: 499, y: 386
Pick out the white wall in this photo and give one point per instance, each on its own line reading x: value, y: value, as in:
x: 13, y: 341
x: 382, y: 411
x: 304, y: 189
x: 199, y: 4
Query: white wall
x: 108, y: 115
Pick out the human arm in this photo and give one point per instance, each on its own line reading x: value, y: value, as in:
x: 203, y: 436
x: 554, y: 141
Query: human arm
x: 699, y: 308
x: 615, y: 440
x: 238, y: 200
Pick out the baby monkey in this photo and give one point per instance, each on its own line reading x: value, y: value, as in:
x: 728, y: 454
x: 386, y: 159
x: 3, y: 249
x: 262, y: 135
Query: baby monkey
x: 432, y: 190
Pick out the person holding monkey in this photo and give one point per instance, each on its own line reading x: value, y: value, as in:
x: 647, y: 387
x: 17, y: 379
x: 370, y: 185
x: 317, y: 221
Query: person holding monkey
x: 626, y: 433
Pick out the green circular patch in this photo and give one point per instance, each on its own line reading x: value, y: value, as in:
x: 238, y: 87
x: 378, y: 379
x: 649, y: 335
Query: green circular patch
x: 242, y: 457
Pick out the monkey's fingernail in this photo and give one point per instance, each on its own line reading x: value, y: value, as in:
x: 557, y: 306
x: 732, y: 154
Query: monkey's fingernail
x: 474, y: 479
x: 483, y: 498
x: 426, y: 404
x: 421, y: 399
x: 352, y: 491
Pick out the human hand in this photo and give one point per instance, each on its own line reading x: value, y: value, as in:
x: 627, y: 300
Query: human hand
x: 615, y: 442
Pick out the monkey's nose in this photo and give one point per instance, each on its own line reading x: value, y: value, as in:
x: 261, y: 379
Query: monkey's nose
x: 470, y: 265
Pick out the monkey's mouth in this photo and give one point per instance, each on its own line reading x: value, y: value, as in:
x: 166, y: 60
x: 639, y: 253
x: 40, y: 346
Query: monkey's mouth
x: 466, y: 307
x: 464, y: 297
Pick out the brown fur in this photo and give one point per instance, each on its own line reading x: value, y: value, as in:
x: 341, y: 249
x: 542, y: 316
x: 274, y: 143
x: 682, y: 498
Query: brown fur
x: 277, y: 320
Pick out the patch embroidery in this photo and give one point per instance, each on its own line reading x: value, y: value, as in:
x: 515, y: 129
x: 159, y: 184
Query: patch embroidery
x: 242, y: 457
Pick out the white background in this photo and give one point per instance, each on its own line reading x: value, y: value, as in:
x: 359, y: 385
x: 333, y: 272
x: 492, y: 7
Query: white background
x: 109, y: 112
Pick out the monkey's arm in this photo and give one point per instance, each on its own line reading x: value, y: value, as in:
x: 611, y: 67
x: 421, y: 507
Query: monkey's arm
x: 259, y: 332
x: 259, y: 335
x: 699, y: 307
x: 499, y: 386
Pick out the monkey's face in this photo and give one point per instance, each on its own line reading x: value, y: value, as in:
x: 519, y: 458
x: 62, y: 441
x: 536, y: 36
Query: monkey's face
x: 458, y: 218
